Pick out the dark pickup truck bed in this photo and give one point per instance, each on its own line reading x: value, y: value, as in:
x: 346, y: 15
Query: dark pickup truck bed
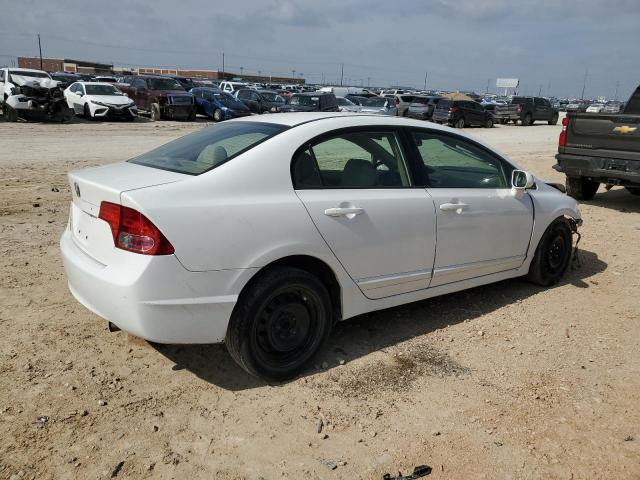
x: 597, y: 148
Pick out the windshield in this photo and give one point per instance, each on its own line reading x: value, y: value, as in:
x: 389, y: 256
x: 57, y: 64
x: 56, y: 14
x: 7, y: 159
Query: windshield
x: 101, y: 90
x: 272, y: 97
x: 304, y: 100
x: 164, y: 84
x: 344, y: 102
x: 208, y: 148
x: 29, y: 74
x: 375, y: 102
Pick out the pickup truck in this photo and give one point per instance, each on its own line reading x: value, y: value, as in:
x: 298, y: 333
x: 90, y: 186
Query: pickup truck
x: 596, y: 148
x: 160, y: 97
x: 526, y: 110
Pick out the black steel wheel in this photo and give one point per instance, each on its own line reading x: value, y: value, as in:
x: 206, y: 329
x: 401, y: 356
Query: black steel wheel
x: 553, y: 254
x: 279, y: 323
x: 460, y: 123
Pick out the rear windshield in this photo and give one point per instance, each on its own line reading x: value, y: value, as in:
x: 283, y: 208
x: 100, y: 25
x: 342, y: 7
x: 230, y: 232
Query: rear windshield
x: 208, y: 148
x: 444, y: 104
x: 634, y: 103
x: 421, y: 100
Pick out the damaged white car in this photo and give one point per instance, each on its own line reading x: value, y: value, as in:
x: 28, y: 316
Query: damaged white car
x: 32, y: 95
x: 96, y: 100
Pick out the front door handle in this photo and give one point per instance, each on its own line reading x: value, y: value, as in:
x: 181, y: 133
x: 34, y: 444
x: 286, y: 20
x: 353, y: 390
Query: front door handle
x: 348, y: 212
x: 453, y: 207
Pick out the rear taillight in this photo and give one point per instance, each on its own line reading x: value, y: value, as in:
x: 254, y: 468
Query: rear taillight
x: 453, y: 109
x: 519, y: 109
x: 134, y: 232
x: 397, y: 101
x: 562, y: 140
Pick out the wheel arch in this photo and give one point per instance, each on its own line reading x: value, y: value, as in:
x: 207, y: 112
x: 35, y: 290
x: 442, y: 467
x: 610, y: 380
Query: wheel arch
x: 312, y: 265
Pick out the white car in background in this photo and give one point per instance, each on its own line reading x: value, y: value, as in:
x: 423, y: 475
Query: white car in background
x: 99, y: 100
x: 595, y: 108
x: 263, y: 232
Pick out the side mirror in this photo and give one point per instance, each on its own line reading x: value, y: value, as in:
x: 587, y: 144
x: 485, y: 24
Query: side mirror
x: 80, y: 94
x: 125, y: 94
x: 520, y: 181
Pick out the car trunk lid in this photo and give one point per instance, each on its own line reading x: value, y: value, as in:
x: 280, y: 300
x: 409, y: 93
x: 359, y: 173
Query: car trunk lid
x: 90, y: 187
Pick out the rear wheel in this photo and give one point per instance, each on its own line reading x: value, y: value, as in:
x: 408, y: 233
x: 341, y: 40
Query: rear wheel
x: 460, y: 123
x: 527, y: 120
x: 553, y: 254
x: 155, y: 112
x: 504, y: 121
x: 581, y: 188
x: 279, y: 323
x: 192, y: 115
x: 554, y: 119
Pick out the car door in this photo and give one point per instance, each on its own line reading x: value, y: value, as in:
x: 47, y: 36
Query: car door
x: 356, y: 188
x: 141, y: 93
x: 482, y: 227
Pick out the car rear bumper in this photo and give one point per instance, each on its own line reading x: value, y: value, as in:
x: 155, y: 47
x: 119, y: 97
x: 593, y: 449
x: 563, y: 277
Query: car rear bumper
x: 602, y: 169
x: 442, y: 117
x: 155, y: 298
x: 176, y: 111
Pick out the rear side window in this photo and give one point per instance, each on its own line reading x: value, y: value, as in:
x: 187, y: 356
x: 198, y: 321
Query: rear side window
x: 445, y: 104
x: 633, y: 106
x: 208, y: 148
x: 351, y: 160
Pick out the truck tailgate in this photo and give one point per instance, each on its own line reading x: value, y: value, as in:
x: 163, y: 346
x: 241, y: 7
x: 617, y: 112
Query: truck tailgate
x: 603, y: 135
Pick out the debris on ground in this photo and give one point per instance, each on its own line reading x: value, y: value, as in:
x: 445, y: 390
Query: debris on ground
x: 116, y: 469
x: 418, y: 472
x: 43, y: 420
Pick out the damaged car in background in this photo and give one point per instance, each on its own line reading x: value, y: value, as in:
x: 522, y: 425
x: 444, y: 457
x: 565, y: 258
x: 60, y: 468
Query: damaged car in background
x: 32, y: 95
x: 97, y: 100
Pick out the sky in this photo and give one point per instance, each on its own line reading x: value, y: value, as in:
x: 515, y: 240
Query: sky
x: 457, y: 44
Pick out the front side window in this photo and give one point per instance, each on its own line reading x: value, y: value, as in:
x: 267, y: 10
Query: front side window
x: 209, y: 148
x: 453, y: 162
x: 352, y: 160
x: 164, y: 84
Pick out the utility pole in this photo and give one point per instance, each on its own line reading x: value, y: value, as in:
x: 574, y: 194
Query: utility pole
x: 241, y: 69
x: 293, y: 74
x: 615, y: 97
x: 584, y: 83
x: 222, y: 65
x: 549, y: 89
x: 488, y: 82
x: 426, y: 75
x: 40, y: 48
x: 540, y: 90
x: 368, y: 82
x: 341, y: 73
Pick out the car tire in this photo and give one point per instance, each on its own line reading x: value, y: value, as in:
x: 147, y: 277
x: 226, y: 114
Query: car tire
x: 217, y: 115
x: 87, y: 112
x: 554, y: 120
x: 9, y: 113
x: 488, y: 123
x: 633, y: 190
x: 154, y: 112
x: 192, y: 115
x: 527, y: 120
x: 279, y: 323
x: 460, y: 123
x: 553, y: 254
x: 504, y: 121
x: 581, y: 188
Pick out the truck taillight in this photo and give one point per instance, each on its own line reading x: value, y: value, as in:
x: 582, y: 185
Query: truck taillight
x: 562, y: 140
x: 453, y: 109
x: 134, y: 232
x: 519, y: 110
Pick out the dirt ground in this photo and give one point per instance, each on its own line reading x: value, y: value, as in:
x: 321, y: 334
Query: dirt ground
x: 506, y: 381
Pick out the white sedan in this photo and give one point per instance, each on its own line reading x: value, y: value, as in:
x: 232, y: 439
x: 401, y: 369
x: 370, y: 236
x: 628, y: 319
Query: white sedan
x: 263, y: 232
x: 99, y: 100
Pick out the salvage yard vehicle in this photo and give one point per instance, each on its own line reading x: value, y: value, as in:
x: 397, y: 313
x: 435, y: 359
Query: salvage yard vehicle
x: 262, y: 232
x: 32, y: 95
x: 260, y: 101
x: 462, y: 113
x: 160, y: 97
x: 312, y: 102
x: 96, y: 100
x: 346, y: 105
x: 526, y: 110
x: 595, y: 148
x: 218, y: 105
x: 422, y: 107
x: 377, y: 105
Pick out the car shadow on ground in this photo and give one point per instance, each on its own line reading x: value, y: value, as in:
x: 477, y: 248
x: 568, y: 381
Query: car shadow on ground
x: 617, y: 198
x: 375, y: 331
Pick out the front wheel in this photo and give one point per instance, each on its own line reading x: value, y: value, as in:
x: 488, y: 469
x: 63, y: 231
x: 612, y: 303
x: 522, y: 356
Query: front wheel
x: 553, y: 254
x: 460, y: 123
x: 217, y: 115
x: 279, y: 324
x: 554, y: 120
x: 155, y: 112
x: 87, y: 112
x: 488, y: 123
x: 581, y: 188
x: 9, y: 113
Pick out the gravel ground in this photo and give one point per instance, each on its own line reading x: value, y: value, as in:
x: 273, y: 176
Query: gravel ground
x: 503, y: 381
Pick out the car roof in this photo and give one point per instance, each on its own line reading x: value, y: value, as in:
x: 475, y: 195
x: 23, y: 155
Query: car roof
x: 293, y: 119
x: 96, y: 83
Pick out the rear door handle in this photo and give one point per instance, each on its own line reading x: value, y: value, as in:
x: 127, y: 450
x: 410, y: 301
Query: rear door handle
x: 453, y: 207
x: 349, y: 212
